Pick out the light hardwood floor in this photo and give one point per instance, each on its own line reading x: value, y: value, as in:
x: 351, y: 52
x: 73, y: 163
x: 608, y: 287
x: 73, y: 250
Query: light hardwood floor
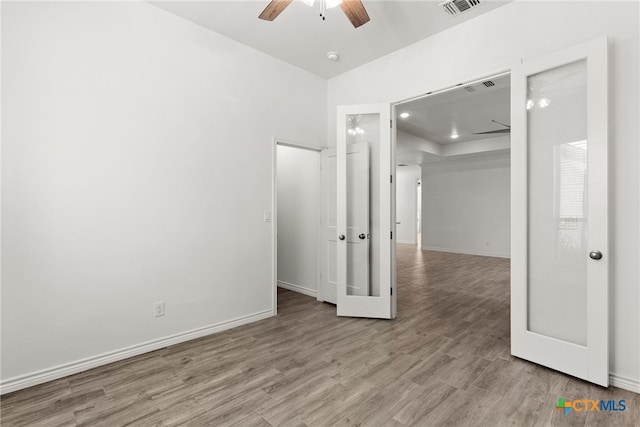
x: 444, y: 362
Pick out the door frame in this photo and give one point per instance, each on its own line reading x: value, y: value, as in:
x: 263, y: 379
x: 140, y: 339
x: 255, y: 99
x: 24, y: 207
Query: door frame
x: 472, y: 79
x: 285, y: 142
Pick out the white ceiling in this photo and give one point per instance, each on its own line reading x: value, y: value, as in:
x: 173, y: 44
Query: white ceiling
x: 433, y: 119
x: 298, y: 36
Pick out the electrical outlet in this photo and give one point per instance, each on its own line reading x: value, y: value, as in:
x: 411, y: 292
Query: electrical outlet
x: 159, y: 308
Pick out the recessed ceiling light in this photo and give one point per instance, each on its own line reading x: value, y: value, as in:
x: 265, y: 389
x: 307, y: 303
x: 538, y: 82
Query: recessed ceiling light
x: 405, y: 115
x: 454, y: 135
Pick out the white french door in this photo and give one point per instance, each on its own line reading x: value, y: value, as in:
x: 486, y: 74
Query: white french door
x: 363, y: 211
x: 559, y: 241
x: 357, y: 226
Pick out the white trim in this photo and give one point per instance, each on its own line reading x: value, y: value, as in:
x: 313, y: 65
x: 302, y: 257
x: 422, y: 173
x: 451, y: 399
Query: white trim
x: 297, y: 288
x: 274, y: 224
x: 624, y: 383
x: 60, y: 371
x: 393, y: 218
x: 406, y: 242
x: 466, y: 81
x: 296, y: 144
x: 463, y: 251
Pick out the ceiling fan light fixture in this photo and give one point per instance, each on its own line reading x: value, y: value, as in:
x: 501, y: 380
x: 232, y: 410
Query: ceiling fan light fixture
x: 405, y: 115
x: 330, y: 4
x: 354, y: 9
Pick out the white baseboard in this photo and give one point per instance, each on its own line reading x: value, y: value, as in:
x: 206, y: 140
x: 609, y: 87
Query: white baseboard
x: 463, y: 251
x: 297, y: 288
x: 625, y: 383
x: 50, y: 374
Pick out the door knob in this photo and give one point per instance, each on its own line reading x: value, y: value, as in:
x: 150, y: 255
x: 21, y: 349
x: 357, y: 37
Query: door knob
x: 595, y: 255
x: 341, y: 237
x: 362, y: 236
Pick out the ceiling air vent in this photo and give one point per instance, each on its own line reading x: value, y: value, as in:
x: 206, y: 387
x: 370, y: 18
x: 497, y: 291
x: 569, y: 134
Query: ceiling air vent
x: 469, y: 88
x: 488, y: 83
x: 454, y: 7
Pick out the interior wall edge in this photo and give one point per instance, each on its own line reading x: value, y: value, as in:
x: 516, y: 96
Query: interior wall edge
x: 297, y: 288
x: 28, y: 380
x: 466, y: 252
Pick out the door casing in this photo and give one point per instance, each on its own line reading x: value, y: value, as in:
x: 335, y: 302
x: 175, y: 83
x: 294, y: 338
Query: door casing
x: 275, y: 141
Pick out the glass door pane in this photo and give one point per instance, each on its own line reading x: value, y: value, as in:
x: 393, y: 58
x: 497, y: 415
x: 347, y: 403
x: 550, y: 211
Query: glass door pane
x: 362, y: 135
x: 557, y: 202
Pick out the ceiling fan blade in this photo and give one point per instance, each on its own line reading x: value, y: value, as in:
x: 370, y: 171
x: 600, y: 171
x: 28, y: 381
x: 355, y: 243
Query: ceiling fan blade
x: 493, y: 131
x: 274, y: 9
x: 356, y: 12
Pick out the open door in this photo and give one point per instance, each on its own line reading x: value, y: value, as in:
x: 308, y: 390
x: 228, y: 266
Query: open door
x: 363, y: 211
x: 358, y: 225
x: 559, y: 246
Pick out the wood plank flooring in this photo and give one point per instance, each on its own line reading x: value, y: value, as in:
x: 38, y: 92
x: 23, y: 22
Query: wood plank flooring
x: 444, y: 362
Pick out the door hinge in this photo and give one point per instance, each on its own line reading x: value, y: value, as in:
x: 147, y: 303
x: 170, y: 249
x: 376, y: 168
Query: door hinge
x: 392, y: 234
x: 391, y: 291
x: 391, y: 179
x: 391, y: 123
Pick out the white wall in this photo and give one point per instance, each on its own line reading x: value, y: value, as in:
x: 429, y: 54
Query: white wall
x: 298, y: 218
x: 491, y: 43
x: 466, y: 206
x: 407, y: 203
x: 136, y: 168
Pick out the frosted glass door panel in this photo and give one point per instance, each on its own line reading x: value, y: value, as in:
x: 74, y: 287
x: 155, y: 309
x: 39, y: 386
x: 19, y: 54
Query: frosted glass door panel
x: 557, y: 202
x: 358, y: 133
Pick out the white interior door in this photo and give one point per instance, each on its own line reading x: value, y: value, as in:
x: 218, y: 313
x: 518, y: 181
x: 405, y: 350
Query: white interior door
x: 559, y: 259
x: 363, y: 211
x: 357, y: 236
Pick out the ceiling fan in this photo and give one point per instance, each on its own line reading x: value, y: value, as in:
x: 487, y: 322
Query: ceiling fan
x: 354, y: 10
x: 507, y: 130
